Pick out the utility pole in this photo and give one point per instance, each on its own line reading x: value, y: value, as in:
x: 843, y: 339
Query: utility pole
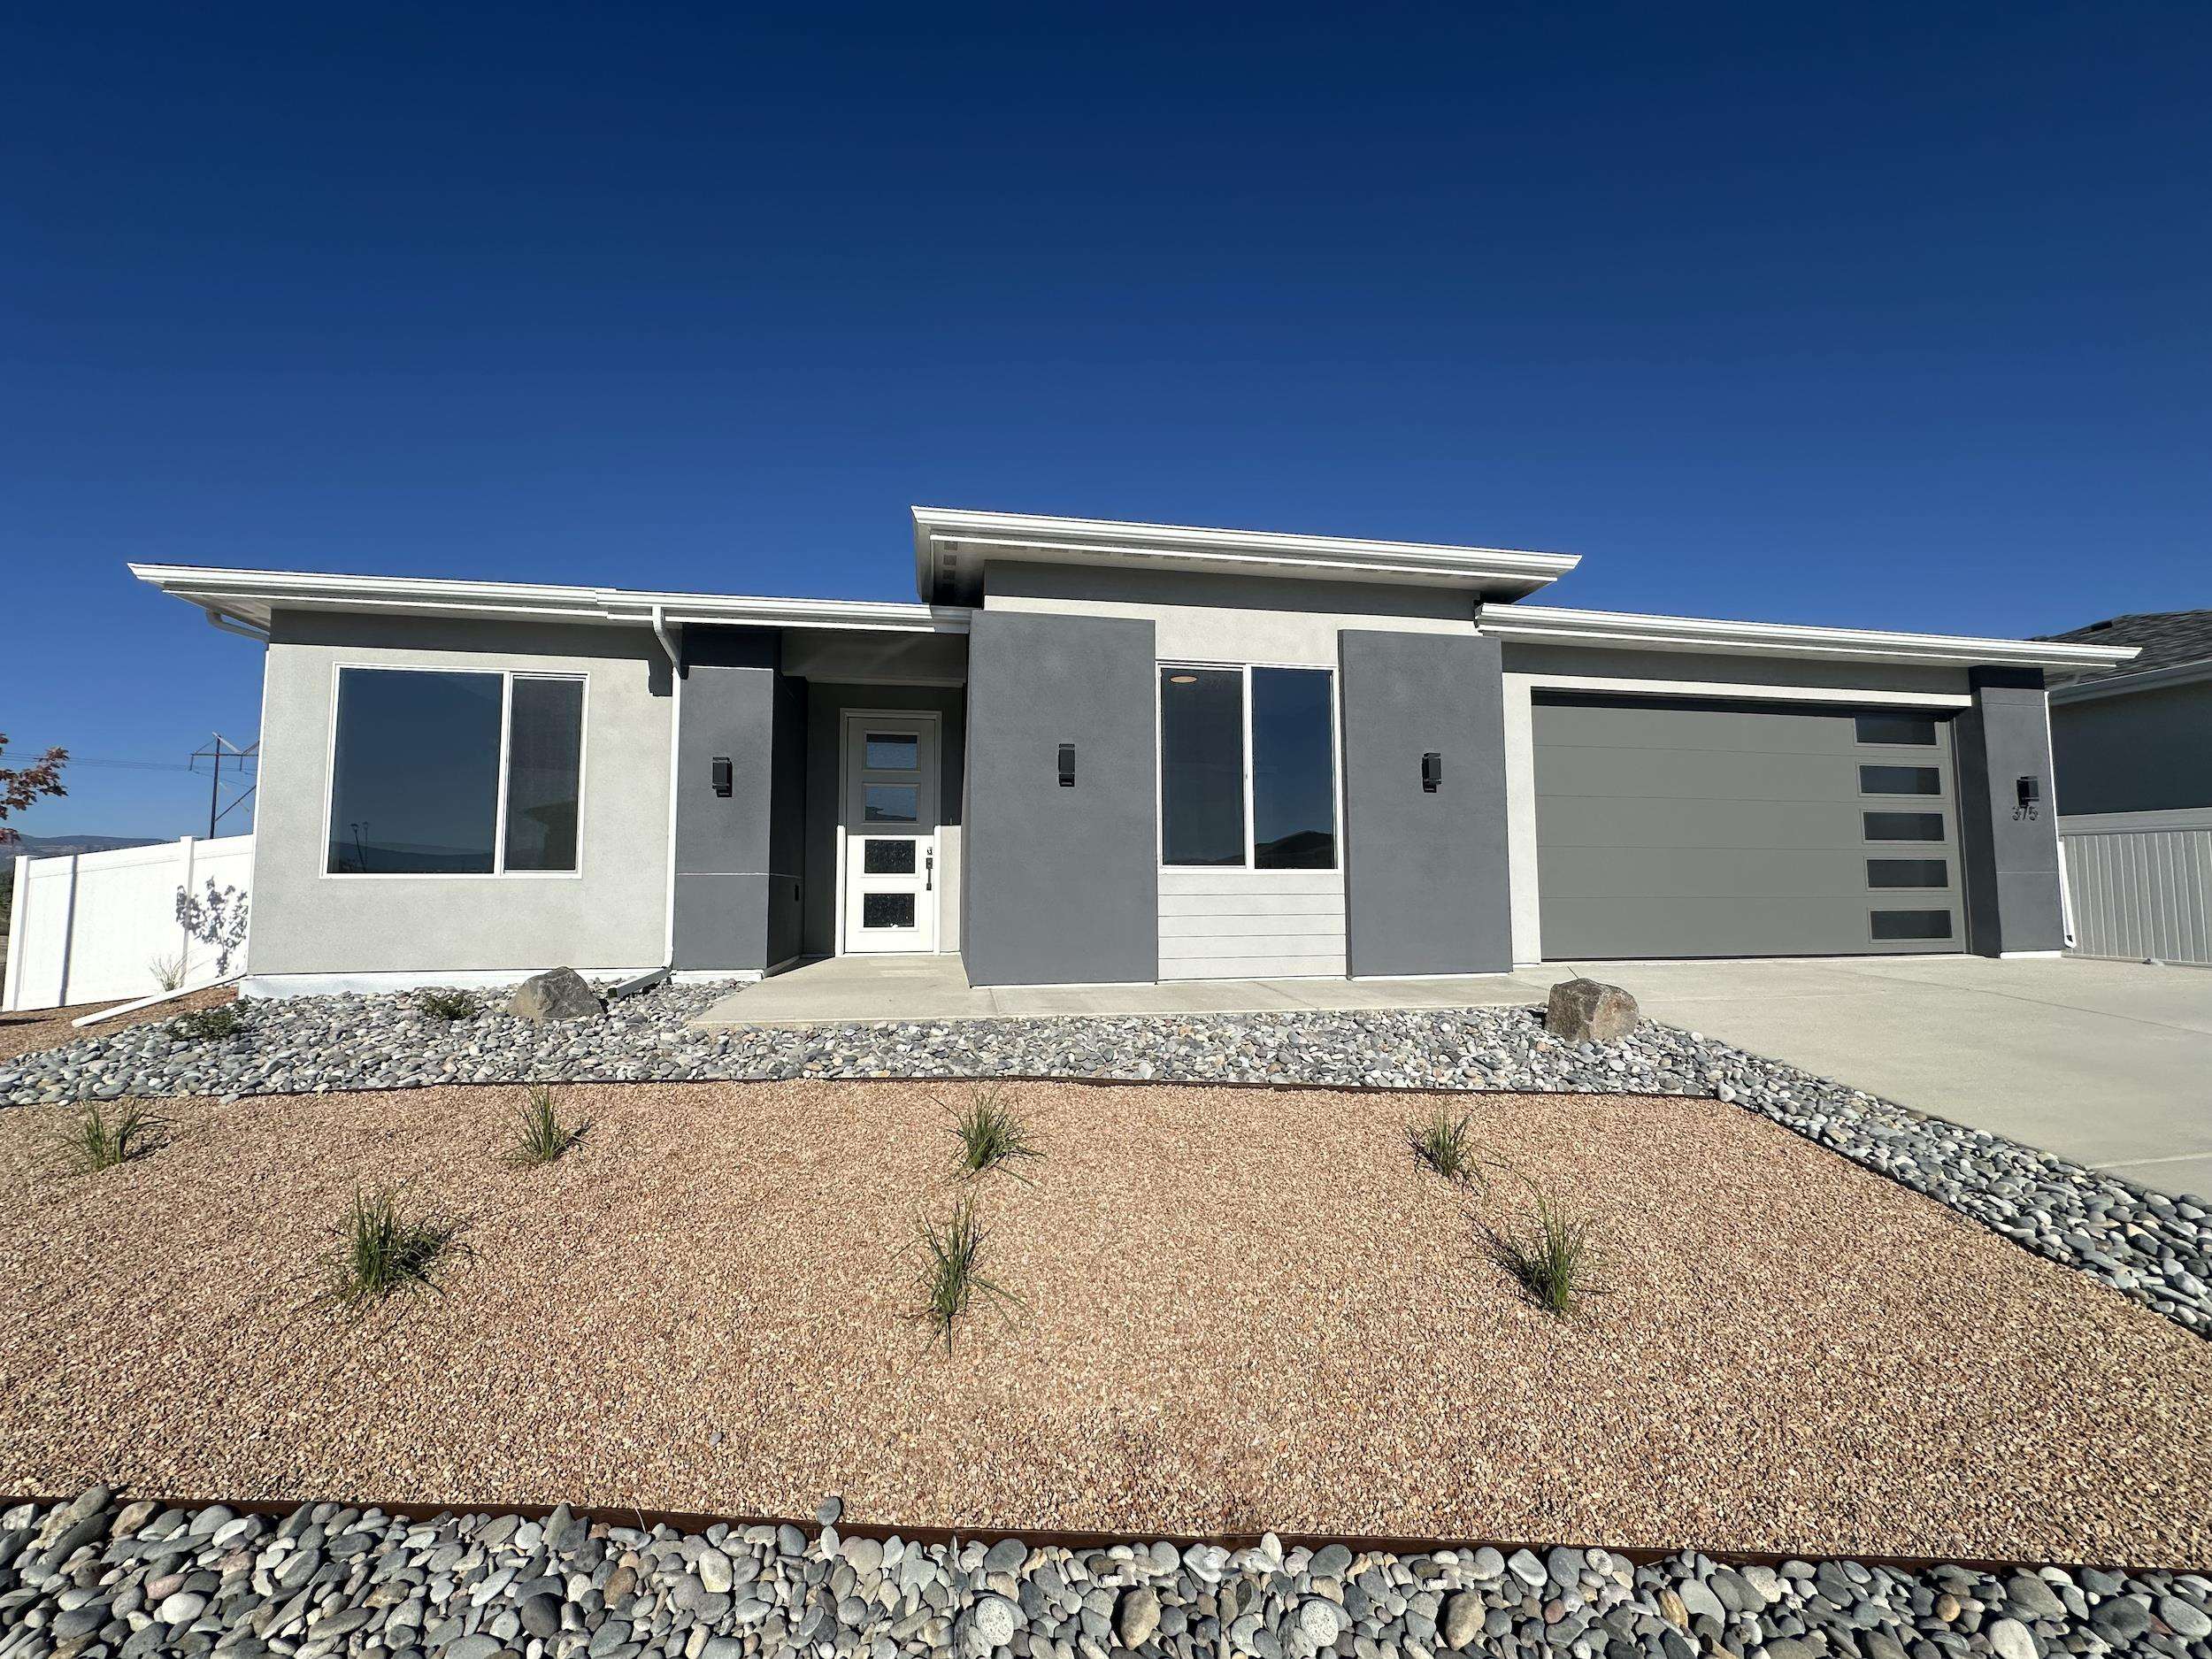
x: 216, y: 752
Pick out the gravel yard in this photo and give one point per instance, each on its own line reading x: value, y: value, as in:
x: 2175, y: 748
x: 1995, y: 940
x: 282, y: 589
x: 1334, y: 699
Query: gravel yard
x: 2152, y: 1247
x: 1235, y: 1309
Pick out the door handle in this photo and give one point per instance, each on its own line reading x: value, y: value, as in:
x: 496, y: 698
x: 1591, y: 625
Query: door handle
x: 929, y: 870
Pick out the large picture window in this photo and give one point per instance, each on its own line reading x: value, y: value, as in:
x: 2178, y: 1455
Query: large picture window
x: 438, y: 773
x: 1248, y: 768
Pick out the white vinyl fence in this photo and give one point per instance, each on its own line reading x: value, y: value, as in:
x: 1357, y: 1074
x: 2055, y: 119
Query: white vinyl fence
x: 2140, y: 884
x: 100, y: 927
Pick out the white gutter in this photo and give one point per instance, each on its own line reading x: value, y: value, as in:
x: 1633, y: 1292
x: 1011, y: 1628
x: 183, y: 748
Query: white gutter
x: 1623, y: 630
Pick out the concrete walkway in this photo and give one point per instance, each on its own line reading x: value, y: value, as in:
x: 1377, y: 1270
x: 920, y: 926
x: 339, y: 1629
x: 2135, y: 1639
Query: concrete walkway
x: 2108, y: 1064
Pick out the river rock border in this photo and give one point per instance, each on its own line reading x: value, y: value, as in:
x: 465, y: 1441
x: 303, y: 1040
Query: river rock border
x: 92, y: 1579
x: 2152, y: 1247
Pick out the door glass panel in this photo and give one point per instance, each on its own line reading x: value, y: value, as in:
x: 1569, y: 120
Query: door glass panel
x: 1900, y: 781
x: 1908, y: 872
x: 1904, y: 826
x: 892, y: 803
x: 887, y: 909
x: 1917, y: 729
x: 893, y: 752
x: 887, y: 858
x: 1892, y: 924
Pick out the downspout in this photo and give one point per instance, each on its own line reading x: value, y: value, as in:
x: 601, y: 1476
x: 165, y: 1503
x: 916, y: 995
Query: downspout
x: 668, y: 644
x: 675, y: 748
x: 216, y: 618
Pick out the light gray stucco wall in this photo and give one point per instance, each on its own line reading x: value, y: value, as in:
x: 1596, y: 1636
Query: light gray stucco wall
x: 612, y: 915
x: 825, y: 705
x: 2145, y: 751
x: 738, y: 880
x: 2011, y: 857
x: 1061, y: 885
x: 1428, y: 881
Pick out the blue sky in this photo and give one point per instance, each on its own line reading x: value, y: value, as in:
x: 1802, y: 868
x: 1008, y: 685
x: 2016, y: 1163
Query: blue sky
x: 1888, y: 315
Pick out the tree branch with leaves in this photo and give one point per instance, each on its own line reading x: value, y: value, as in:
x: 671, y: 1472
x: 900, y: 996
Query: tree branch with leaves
x: 20, y: 785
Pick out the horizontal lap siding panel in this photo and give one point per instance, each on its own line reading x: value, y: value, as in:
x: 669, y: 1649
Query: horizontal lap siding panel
x: 1255, y: 968
x: 1251, y: 924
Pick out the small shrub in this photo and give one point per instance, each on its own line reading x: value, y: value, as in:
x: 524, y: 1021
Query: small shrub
x: 382, y: 1250
x: 1445, y: 1143
x: 1553, y: 1257
x: 210, y: 1025
x: 991, y: 1133
x: 951, y: 1277
x: 443, y: 1002
x: 540, y: 1135
x: 168, y: 972
x: 95, y: 1139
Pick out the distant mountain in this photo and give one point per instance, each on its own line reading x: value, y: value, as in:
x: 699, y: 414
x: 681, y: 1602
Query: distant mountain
x: 54, y: 846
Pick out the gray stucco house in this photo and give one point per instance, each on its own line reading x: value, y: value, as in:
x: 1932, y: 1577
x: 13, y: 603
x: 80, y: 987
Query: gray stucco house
x: 2138, y: 737
x: 1110, y: 752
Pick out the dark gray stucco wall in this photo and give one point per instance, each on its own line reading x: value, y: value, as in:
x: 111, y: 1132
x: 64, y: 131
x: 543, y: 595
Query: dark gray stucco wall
x: 1426, y: 877
x: 2145, y: 751
x: 2011, y: 857
x: 1060, y: 884
x: 738, y: 857
x: 825, y: 706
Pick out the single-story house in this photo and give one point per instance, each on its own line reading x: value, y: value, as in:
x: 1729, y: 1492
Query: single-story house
x: 2132, y: 746
x: 2138, y: 737
x: 1122, y: 752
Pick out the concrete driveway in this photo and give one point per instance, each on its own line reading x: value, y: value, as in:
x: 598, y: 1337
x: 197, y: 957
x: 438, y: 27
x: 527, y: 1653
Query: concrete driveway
x: 2108, y: 1064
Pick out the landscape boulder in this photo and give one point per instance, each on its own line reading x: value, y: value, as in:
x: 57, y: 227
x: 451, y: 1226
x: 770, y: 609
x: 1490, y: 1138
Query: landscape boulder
x: 1585, y: 1010
x: 560, y: 993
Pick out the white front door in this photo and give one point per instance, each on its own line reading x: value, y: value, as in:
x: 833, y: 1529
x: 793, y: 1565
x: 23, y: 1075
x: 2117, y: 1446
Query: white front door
x: 888, y: 831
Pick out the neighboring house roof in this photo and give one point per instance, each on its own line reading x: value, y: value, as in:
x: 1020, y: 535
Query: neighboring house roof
x: 1547, y: 624
x: 2175, y: 646
x: 951, y: 546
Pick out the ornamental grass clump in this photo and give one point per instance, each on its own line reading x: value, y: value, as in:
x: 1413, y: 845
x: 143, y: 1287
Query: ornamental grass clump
x: 383, y: 1249
x: 539, y: 1134
x: 444, y: 1002
x: 991, y: 1134
x: 1445, y: 1144
x: 98, y: 1139
x: 1552, y: 1256
x: 952, y: 1275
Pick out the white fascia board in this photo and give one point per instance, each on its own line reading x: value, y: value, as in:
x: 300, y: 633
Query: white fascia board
x: 1624, y: 630
x: 1032, y: 537
x: 2123, y: 685
x: 252, y: 596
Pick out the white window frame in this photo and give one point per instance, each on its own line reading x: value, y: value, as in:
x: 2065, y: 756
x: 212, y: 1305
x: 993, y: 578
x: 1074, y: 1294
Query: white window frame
x: 499, y: 871
x: 1159, y: 783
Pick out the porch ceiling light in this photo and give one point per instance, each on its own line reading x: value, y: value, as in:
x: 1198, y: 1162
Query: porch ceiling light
x: 1182, y: 680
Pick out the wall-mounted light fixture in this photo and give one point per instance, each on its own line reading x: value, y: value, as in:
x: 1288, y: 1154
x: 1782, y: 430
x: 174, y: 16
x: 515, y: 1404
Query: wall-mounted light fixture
x: 1432, y: 772
x: 2027, y: 792
x: 1067, y: 765
x: 721, y: 774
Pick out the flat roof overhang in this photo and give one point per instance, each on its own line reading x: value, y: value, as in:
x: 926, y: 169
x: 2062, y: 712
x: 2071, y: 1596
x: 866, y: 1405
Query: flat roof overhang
x: 952, y: 545
x: 1626, y: 630
x: 251, y: 598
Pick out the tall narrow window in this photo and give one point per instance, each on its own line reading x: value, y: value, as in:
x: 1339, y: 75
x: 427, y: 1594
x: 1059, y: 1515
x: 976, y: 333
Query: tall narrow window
x: 1202, y: 767
x: 545, y: 754
x: 1293, y: 770
x: 416, y: 774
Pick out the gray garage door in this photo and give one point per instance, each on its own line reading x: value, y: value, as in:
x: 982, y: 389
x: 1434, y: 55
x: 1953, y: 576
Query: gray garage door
x: 1672, y: 828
